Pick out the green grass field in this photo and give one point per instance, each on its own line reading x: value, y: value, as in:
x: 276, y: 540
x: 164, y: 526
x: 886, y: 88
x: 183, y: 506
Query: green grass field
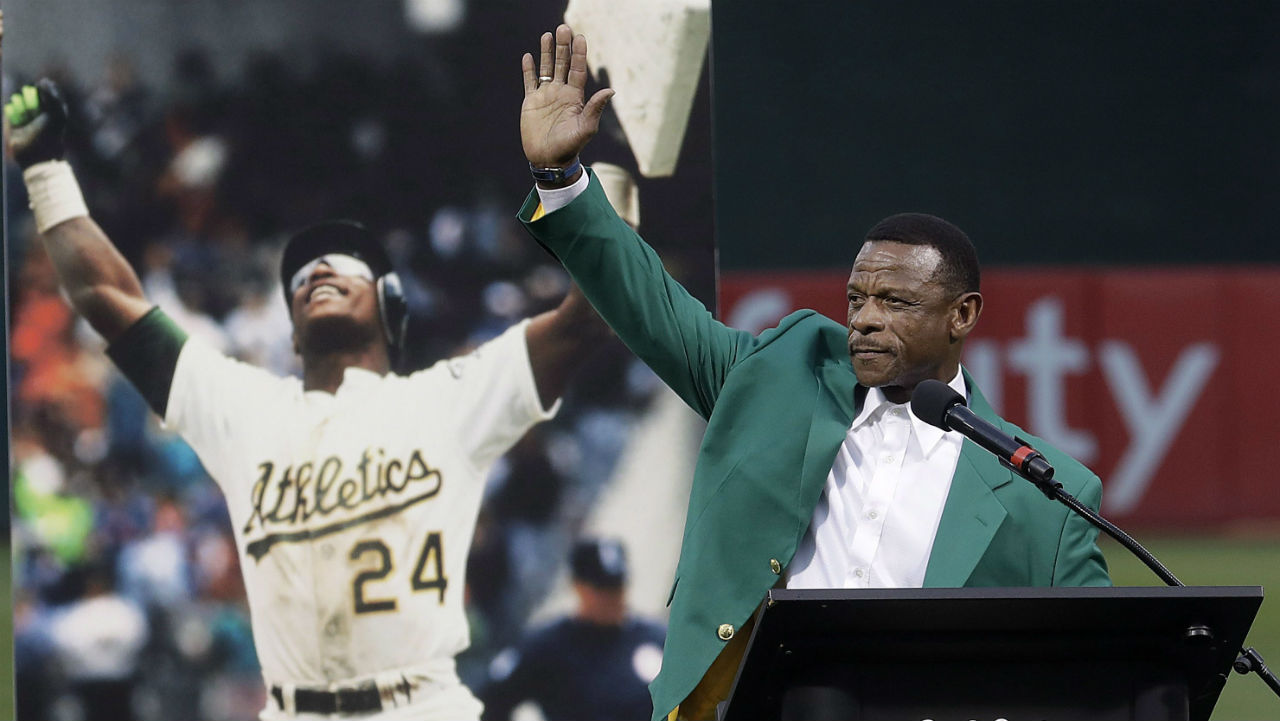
x: 1198, y: 561
x: 1220, y: 561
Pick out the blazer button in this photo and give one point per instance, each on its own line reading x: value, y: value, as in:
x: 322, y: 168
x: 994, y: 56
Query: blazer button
x: 775, y: 566
x: 725, y: 631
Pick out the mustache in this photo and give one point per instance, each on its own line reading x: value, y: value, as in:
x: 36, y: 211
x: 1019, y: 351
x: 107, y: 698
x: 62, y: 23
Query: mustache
x: 858, y: 343
x: 868, y: 347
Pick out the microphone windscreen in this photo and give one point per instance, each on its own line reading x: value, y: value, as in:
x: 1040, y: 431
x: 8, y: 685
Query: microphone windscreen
x: 930, y: 401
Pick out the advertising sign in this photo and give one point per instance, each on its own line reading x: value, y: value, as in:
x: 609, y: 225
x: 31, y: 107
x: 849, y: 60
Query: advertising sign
x: 1157, y: 379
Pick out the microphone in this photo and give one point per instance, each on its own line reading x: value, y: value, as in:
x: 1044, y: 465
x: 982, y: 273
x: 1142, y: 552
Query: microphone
x: 937, y: 404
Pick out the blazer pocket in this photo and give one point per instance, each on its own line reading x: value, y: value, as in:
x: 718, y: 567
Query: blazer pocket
x: 673, y: 591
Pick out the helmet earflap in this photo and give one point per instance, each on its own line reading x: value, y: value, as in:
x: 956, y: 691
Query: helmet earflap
x: 394, y: 310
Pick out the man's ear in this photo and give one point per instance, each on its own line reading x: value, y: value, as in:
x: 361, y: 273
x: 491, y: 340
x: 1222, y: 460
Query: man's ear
x: 965, y: 310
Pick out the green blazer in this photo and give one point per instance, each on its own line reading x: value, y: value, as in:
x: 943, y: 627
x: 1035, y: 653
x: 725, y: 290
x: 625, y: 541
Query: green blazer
x: 778, y: 406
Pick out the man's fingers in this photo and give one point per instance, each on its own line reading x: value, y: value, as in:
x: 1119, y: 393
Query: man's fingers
x: 595, y: 106
x: 544, y: 62
x: 564, y: 40
x: 526, y: 68
x: 578, y: 63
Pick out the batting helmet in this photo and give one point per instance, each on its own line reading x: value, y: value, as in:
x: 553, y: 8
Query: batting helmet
x: 351, y: 238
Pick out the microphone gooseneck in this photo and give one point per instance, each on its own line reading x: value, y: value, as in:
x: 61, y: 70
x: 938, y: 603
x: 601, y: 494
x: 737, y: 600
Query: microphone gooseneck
x: 939, y: 405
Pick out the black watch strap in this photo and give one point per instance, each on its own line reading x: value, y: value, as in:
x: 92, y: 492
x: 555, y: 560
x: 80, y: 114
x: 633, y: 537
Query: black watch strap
x: 555, y: 175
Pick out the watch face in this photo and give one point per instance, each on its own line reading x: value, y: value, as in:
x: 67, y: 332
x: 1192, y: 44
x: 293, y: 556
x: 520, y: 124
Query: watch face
x: 554, y: 175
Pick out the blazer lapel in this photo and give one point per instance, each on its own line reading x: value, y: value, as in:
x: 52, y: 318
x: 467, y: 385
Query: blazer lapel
x: 972, y: 514
x: 834, y: 409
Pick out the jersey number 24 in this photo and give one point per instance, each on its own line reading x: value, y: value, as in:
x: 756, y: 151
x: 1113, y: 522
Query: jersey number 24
x: 431, y: 558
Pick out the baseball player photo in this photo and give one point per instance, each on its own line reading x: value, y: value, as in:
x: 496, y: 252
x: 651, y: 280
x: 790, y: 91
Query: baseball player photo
x: 353, y: 491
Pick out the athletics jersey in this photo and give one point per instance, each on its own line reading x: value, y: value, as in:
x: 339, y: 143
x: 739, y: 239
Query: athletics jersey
x: 354, y: 511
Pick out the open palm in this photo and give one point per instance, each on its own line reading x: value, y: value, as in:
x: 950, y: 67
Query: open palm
x: 555, y: 123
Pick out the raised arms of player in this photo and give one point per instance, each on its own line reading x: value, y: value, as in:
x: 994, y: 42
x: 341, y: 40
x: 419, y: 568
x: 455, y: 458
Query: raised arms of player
x: 100, y: 283
x: 559, y: 340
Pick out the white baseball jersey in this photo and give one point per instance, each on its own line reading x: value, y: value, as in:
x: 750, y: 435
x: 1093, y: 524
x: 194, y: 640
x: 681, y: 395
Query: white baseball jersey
x: 354, y: 511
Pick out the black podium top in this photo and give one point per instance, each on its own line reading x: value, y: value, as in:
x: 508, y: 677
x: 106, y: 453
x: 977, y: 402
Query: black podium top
x: 1140, y: 652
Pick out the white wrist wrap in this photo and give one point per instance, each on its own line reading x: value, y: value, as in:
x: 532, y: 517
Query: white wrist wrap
x: 54, y: 193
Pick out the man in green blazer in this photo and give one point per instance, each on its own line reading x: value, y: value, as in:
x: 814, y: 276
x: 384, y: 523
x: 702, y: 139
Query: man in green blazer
x: 811, y: 472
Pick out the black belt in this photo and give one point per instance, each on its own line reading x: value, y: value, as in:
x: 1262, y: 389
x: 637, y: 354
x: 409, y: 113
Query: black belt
x: 358, y: 699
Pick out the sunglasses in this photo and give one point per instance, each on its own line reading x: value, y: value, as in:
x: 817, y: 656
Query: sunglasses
x: 347, y: 265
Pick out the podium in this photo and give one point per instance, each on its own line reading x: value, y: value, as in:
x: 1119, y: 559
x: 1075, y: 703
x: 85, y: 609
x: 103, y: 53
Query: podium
x: 986, y: 654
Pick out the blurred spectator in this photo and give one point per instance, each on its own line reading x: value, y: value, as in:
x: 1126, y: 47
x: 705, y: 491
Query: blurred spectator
x: 118, y: 110
x: 54, y: 371
x: 98, y: 640
x: 258, y: 329
x: 154, y: 571
x: 172, y: 279
x: 56, y: 520
x: 594, y: 665
x: 34, y: 671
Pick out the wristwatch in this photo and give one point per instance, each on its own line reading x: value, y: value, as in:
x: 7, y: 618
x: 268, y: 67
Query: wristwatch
x: 555, y: 175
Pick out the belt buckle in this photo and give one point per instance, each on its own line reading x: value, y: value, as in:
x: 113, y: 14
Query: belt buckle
x: 338, y: 706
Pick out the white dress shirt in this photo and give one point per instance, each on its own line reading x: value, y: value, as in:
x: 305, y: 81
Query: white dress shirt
x: 553, y: 199
x: 874, y: 525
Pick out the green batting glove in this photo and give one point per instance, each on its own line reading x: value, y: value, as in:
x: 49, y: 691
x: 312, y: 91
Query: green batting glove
x: 37, y: 118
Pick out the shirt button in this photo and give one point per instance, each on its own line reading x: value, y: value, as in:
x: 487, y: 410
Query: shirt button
x: 857, y: 572
x: 873, y: 515
x: 725, y: 632
x: 888, y: 459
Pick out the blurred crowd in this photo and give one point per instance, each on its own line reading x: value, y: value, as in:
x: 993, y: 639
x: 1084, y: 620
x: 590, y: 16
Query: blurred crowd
x: 127, y: 587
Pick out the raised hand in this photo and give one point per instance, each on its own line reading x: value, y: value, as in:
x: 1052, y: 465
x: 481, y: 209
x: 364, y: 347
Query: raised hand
x: 555, y: 123
x: 37, y: 118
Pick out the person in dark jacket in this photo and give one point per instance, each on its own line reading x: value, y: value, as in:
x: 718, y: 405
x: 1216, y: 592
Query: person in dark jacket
x: 593, y: 665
